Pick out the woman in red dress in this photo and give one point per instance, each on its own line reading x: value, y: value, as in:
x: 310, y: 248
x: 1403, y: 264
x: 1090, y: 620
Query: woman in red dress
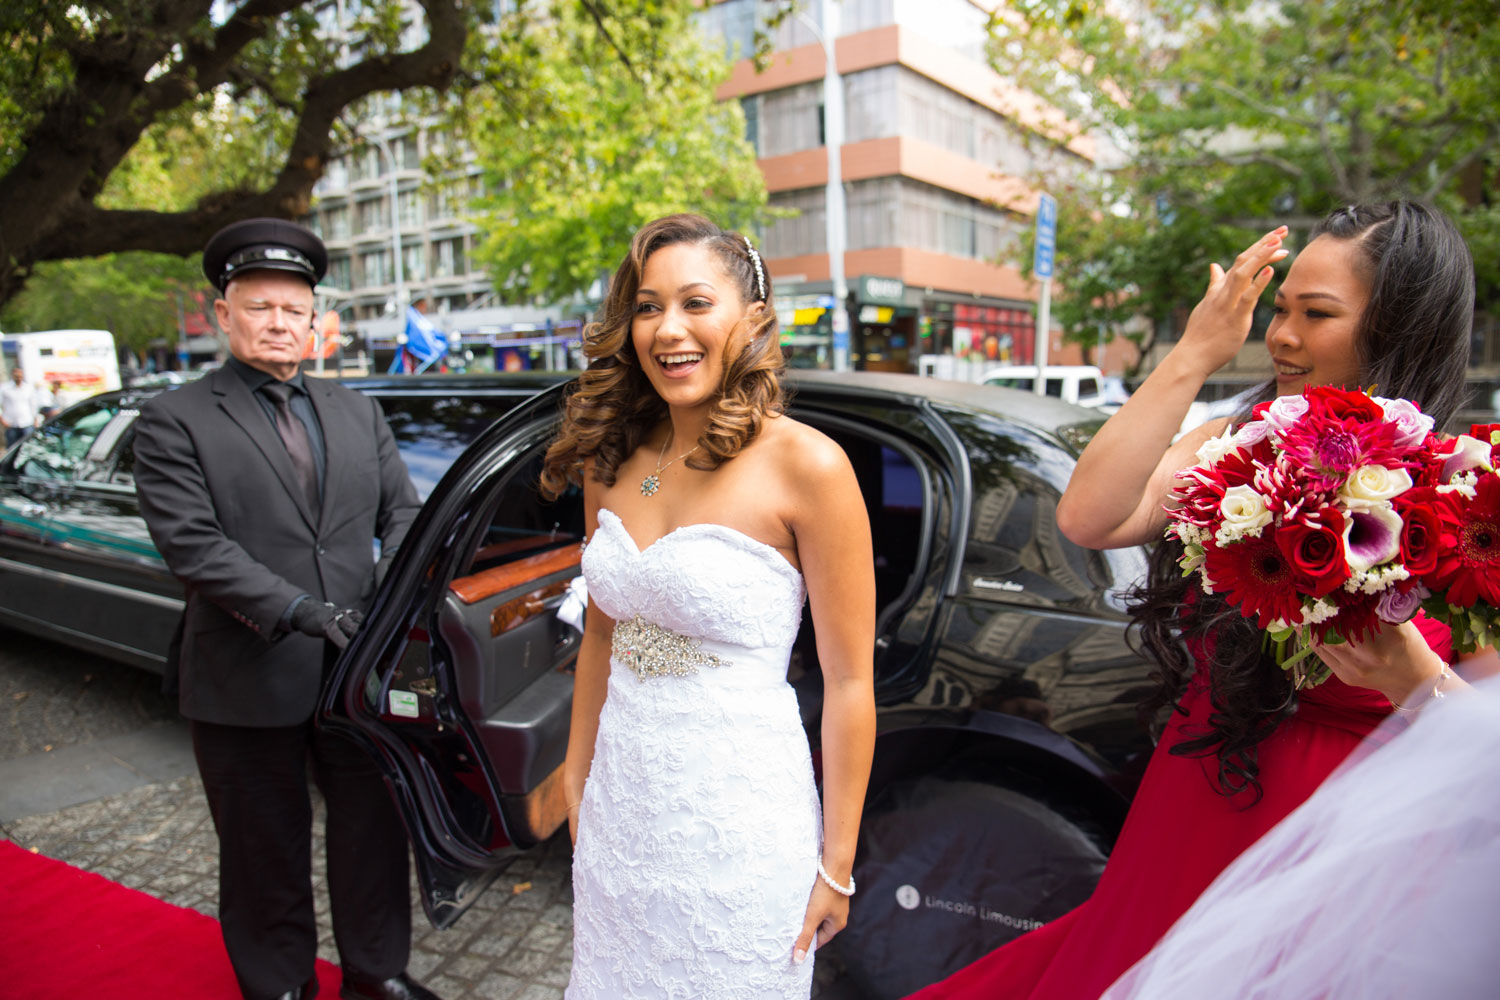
x: 1382, y: 295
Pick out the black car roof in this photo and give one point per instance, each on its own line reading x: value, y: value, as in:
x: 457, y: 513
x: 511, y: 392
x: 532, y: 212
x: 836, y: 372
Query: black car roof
x: 1041, y: 412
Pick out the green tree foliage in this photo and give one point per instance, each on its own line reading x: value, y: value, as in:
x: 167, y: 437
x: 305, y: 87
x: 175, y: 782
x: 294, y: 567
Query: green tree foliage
x: 585, y: 134
x: 85, y: 82
x: 1239, y: 115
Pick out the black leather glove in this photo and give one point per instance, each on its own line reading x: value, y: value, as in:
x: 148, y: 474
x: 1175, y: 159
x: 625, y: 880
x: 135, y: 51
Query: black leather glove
x: 337, y: 625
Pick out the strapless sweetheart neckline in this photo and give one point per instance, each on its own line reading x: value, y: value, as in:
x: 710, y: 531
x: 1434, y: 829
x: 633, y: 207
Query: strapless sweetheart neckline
x: 709, y: 527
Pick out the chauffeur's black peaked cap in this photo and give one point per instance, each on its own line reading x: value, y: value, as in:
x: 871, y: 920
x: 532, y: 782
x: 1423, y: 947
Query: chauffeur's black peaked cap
x: 264, y: 244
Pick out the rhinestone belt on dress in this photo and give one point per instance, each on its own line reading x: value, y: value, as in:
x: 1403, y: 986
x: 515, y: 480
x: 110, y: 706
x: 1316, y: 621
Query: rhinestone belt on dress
x: 652, y: 651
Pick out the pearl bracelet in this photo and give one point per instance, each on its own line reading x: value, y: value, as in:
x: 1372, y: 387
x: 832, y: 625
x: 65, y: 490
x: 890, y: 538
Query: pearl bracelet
x: 828, y: 880
x: 1436, y: 695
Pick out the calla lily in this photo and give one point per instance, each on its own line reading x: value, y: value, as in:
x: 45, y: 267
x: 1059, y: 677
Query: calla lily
x: 1371, y: 537
x: 1468, y: 453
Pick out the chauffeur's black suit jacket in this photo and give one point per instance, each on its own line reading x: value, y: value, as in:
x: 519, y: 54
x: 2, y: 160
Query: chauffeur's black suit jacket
x: 223, y: 506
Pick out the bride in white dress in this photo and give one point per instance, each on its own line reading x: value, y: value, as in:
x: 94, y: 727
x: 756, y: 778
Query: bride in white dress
x: 703, y: 864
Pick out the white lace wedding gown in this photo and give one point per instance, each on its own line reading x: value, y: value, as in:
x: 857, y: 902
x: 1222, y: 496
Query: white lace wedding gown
x: 699, y: 831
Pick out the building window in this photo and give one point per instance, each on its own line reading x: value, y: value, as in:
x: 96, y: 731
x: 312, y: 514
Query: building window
x: 448, y: 258
x: 411, y: 209
x: 338, y: 273
x: 943, y: 222
x: 871, y: 107
x: 806, y: 232
x: 371, y: 216
x: 335, y: 223
x: 335, y: 174
x: 791, y: 120
x: 407, y: 156
x: 750, y: 107
x: 375, y: 267
x: 413, y: 261
x: 364, y: 164
x: 873, y: 210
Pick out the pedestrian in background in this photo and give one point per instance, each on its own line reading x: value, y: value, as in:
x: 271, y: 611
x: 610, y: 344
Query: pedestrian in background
x: 264, y: 492
x: 18, y: 410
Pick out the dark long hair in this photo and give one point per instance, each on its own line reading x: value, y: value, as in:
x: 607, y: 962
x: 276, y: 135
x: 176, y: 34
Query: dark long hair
x: 1413, y: 339
x: 612, y: 407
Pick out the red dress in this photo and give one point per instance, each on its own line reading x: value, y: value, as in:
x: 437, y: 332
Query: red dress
x: 1180, y: 833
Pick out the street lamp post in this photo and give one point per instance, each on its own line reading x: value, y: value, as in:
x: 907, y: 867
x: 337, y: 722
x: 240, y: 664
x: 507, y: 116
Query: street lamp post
x: 833, y: 138
x: 390, y: 162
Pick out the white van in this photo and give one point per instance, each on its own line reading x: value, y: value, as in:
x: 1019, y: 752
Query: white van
x: 83, y: 361
x: 1080, y: 384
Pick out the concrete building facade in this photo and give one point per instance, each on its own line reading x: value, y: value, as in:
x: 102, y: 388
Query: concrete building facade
x: 936, y: 150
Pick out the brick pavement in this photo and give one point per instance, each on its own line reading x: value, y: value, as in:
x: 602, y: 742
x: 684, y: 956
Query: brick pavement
x: 514, y: 944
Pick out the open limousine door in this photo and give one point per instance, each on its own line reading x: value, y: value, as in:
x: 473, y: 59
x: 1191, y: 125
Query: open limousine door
x: 461, y: 682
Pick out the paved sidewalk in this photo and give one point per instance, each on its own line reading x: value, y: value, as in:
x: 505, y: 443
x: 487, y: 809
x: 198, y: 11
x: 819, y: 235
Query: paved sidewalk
x: 96, y: 771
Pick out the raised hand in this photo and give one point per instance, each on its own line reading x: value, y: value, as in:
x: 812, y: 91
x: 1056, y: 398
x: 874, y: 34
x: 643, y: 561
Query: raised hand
x: 1220, y: 322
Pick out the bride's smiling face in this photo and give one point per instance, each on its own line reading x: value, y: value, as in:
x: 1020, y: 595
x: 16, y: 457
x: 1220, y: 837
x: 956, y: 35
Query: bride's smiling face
x: 689, y: 315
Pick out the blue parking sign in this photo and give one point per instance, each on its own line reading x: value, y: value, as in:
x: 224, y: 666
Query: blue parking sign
x: 1046, y: 236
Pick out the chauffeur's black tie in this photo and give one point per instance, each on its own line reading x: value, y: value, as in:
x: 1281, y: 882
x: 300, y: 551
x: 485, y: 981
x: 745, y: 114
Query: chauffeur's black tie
x: 294, y: 435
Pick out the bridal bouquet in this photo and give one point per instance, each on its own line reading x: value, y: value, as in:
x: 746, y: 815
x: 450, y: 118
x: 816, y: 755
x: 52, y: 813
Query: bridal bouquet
x: 1319, y: 517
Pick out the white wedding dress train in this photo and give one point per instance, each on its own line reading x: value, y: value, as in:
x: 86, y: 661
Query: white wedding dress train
x: 699, y: 830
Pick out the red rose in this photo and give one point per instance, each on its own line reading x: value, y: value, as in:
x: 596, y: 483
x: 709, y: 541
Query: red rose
x: 1316, y: 550
x: 1422, y: 524
x: 1343, y: 404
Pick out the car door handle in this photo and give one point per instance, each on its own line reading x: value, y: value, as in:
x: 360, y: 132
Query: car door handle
x: 33, y: 510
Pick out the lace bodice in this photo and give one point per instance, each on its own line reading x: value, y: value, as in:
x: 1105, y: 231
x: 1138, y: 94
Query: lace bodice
x: 699, y: 828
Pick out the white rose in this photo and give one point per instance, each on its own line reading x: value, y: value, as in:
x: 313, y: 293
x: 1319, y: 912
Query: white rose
x: 1244, y: 513
x: 1212, y: 451
x: 1285, y: 411
x: 1373, y: 484
x: 1411, y: 423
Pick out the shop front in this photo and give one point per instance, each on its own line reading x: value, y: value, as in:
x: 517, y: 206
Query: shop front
x: 884, y: 331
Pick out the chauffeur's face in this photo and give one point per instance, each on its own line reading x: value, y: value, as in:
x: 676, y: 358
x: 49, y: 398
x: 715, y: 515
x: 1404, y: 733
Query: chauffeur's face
x: 267, y: 316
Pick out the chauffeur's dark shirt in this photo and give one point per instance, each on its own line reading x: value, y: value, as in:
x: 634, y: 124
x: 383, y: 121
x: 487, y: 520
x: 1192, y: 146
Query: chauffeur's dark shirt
x: 300, y: 404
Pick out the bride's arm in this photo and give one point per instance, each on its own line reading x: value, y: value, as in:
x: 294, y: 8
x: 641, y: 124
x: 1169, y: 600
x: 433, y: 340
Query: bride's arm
x: 832, y: 531
x: 590, y: 680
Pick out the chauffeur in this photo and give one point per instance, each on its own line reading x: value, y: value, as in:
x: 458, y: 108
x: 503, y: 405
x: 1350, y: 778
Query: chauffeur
x: 264, y: 491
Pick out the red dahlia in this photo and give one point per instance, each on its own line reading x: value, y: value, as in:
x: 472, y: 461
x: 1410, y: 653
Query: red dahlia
x: 1256, y: 575
x: 1470, y: 570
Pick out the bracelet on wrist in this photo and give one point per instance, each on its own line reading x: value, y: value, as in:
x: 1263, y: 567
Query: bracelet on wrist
x: 1435, y: 695
x: 828, y: 880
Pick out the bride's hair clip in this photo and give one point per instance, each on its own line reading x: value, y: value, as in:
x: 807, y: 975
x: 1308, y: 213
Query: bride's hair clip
x: 760, y: 274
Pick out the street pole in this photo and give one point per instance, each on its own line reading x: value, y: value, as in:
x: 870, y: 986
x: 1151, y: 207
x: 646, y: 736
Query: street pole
x: 1043, y: 326
x: 833, y: 137
x: 390, y: 162
x: 1041, y: 267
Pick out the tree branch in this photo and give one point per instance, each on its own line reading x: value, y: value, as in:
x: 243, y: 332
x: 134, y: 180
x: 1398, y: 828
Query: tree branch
x: 1492, y: 135
x: 598, y: 16
x: 1254, y: 104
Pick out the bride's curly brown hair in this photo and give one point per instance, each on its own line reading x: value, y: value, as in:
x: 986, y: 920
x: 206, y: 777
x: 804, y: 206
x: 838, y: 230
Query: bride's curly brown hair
x: 612, y: 406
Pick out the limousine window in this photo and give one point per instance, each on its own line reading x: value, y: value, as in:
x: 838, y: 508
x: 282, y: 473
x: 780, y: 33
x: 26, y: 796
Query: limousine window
x: 57, y: 449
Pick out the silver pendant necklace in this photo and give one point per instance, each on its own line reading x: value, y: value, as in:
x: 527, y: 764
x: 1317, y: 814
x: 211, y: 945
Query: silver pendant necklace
x: 652, y: 483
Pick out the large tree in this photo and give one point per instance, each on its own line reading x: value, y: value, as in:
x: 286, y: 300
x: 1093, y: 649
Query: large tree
x: 585, y: 135
x: 1237, y: 115
x: 84, y: 81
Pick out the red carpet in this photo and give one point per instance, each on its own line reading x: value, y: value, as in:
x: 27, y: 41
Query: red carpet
x: 67, y: 934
